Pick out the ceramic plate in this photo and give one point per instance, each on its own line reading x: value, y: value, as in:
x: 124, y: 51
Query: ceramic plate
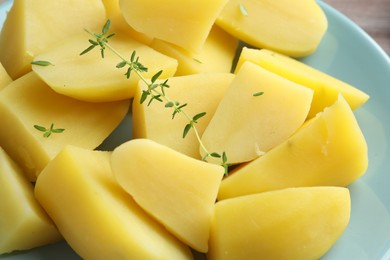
x: 349, y: 54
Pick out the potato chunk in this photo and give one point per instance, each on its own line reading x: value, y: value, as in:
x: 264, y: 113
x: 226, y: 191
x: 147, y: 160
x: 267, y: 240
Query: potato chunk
x: 216, y: 55
x: 245, y: 126
x: 177, y: 190
x: 96, y: 216
x: 292, y: 27
x: 295, y: 223
x: 326, y: 88
x: 119, y: 24
x: 183, y: 23
x: 23, y: 222
x: 33, y: 25
x: 328, y: 150
x: 5, y: 79
x: 28, y: 101
x: 91, y: 78
x: 202, y: 93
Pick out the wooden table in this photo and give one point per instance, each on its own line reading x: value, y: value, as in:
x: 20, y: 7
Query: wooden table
x: 373, y: 16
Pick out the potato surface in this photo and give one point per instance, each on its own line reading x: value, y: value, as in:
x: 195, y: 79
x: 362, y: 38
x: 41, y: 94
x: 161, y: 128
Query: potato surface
x: 246, y: 126
x: 202, y: 92
x: 329, y: 150
x: 33, y: 25
x: 23, y: 222
x: 175, y: 189
x: 326, y: 88
x: 292, y: 27
x: 94, y: 214
x: 28, y: 101
x: 290, y: 224
x: 183, y: 23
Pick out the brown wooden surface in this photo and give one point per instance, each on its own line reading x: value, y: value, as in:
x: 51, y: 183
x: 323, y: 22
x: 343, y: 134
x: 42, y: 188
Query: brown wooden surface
x: 373, y: 16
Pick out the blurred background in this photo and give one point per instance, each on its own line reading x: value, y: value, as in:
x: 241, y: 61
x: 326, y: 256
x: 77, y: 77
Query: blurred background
x: 373, y: 16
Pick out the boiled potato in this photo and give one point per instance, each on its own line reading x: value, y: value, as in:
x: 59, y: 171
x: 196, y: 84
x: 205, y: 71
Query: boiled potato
x: 201, y: 91
x: 247, y: 126
x: 177, y: 190
x: 326, y: 88
x: 329, y: 150
x: 119, y: 24
x: 216, y: 55
x: 23, y: 222
x: 292, y: 27
x: 294, y: 223
x: 33, y: 25
x: 91, y: 78
x: 28, y: 101
x: 93, y: 213
x: 5, y: 79
x: 183, y: 23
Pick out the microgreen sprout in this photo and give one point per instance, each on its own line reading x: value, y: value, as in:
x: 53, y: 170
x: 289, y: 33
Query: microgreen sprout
x: 48, y: 131
x: 155, y: 88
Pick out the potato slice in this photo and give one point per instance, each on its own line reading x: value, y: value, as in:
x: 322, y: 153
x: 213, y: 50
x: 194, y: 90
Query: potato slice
x: 96, y: 217
x: 216, y: 55
x: 91, y: 78
x: 246, y: 126
x: 292, y: 27
x: 183, y: 23
x: 23, y: 222
x: 33, y: 25
x: 119, y: 24
x: 326, y: 88
x: 5, y: 79
x: 202, y: 93
x: 28, y: 101
x: 329, y: 150
x: 295, y: 223
x: 177, y: 190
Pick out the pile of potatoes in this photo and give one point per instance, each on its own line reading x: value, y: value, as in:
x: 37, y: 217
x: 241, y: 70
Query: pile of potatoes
x: 288, y: 130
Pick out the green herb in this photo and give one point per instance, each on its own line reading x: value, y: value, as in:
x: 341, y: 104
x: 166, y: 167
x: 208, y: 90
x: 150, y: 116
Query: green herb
x: 155, y: 89
x: 48, y: 131
x: 42, y: 63
x: 258, y: 94
x: 243, y: 10
x: 198, y: 61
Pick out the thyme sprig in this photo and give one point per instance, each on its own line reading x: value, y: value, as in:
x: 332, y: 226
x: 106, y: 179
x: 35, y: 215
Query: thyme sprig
x: 155, y: 88
x: 42, y: 63
x: 48, y: 131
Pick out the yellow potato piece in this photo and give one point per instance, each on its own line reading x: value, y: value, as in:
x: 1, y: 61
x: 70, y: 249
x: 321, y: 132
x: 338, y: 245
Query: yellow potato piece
x: 119, y: 24
x: 326, y: 88
x: 177, y: 190
x: 329, y: 150
x: 183, y: 23
x: 23, y: 222
x: 292, y: 27
x: 96, y: 217
x: 216, y: 55
x: 28, y: 101
x: 5, y: 79
x: 246, y: 126
x: 295, y: 223
x: 202, y: 93
x: 89, y: 77
x: 33, y: 25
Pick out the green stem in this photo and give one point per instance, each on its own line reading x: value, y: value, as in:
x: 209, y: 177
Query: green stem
x: 167, y: 99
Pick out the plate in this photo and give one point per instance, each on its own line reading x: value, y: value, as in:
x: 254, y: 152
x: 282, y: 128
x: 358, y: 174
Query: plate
x: 348, y: 53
